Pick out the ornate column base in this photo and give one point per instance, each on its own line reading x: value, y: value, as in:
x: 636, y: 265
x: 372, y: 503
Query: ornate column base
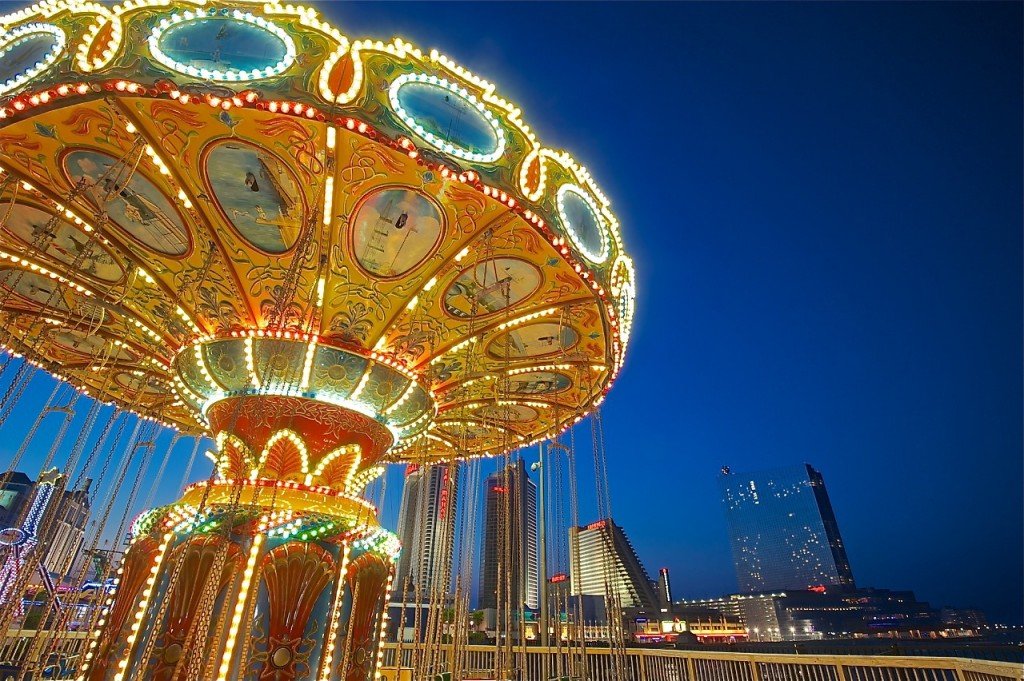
x: 279, y: 578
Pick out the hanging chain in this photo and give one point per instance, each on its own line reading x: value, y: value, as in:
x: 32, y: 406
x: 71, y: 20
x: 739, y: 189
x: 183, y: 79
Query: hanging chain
x: 61, y: 625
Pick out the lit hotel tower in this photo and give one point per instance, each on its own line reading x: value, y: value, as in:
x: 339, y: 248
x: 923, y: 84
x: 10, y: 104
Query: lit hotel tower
x: 606, y: 562
x: 783, y: 531
x: 425, y: 528
x: 510, y: 493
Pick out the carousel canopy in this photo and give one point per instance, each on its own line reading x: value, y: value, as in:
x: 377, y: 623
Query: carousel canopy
x: 202, y: 201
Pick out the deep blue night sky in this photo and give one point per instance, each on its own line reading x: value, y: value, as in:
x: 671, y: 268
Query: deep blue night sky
x: 824, y: 205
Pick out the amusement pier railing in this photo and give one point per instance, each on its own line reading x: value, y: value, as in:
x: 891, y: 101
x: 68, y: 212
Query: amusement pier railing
x: 64, y: 654
x: 535, y: 663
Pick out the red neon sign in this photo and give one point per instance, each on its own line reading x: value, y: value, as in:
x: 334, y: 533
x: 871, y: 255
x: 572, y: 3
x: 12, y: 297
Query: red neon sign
x: 597, y: 525
x: 558, y: 577
x: 444, y: 494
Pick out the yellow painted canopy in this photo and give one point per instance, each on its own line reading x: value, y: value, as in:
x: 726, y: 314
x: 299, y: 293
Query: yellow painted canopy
x: 179, y: 173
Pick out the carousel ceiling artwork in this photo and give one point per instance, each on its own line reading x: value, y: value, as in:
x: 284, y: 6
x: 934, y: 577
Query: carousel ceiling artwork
x: 179, y: 174
x: 327, y: 254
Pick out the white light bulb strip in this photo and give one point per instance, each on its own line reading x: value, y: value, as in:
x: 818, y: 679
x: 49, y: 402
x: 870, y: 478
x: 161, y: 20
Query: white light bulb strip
x: 525, y: 403
x: 145, y: 329
x: 623, y: 289
x: 240, y: 603
x: 336, y: 608
x: 364, y: 478
x: 539, y: 367
x: 480, y: 424
x: 407, y: 443
x: 223, y: 439
x: 379, y: 661
x: 321, y: 287
x: 201, y: 365
x: 140, y: 611
x: 275, y: 438
x: 116, y: 33
x: 250, y: 363
x: 143, y: 523
x: 229, y: 75
x: 453, y: 349
x: 570, y: 228
x: 42, y: 500
x: 307, y: 362
x: 328, y: 196
x: 184, y: 391
x: 229, y: 486
x: 146, y: 276
x: 434, y: 140
x: 526, y: 318
x: 444, y: 441
x: 19, y: 35
x: 188, y: 320
x: 363, y: 380
x: 397, y: 47
x: 334, y: 454
x: 403, y: 398
x: 18, y: 260
x: 416, y: 424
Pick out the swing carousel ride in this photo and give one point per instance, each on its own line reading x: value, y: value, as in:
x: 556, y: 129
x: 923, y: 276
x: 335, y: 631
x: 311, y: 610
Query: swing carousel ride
x: 327, y: 255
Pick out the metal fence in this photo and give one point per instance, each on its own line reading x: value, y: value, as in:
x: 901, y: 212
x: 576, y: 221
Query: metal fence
x: 65, y: 653
x: 535, y: 663
x: 973, y: 648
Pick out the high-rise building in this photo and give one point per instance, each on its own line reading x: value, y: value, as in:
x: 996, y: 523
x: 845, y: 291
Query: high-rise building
x: 67, y: 530
x: 40, y: 515
x: 509, y: 553
x: 16, y: 490
x: 602, y: 561
x: 425, y: 528
x: 783, y: 531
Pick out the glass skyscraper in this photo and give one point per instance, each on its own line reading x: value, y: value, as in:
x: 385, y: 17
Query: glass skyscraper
x: 783, y: 531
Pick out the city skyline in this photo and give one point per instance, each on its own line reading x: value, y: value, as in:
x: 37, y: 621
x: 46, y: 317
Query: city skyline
x: 835, y: 279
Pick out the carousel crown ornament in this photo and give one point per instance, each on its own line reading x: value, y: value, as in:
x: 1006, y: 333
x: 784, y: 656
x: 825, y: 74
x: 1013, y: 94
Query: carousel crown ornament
x: 326, y: 254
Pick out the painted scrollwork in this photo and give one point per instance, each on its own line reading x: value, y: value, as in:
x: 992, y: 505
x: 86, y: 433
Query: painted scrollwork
x: 295, y: 575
